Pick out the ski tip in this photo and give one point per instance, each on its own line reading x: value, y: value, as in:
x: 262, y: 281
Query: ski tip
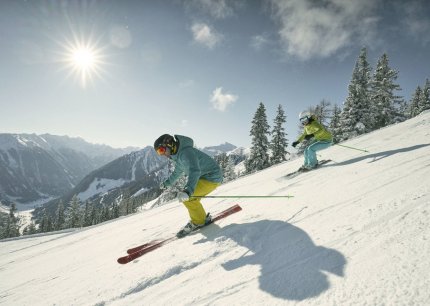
x: 122, y: 260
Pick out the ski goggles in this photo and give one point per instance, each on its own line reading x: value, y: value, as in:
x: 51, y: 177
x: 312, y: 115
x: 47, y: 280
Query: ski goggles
x: 304, y: 120
x: 161, y: 150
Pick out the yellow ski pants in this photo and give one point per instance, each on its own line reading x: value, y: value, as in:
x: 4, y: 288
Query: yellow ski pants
x: 195, y: 209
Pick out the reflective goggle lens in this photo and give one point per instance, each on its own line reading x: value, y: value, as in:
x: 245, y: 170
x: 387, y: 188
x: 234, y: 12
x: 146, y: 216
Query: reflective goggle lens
x: 161, y: 150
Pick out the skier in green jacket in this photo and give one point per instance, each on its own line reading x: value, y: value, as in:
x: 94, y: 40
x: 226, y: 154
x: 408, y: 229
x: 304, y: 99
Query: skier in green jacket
x: 322, y: 139
x: 204, y: 176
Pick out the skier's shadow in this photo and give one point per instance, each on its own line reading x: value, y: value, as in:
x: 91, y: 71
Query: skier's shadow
x: 292, y: 266
x: 380, y: 155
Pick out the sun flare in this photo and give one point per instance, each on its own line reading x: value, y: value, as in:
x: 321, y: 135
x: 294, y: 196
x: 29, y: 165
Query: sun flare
x: 84, y: 61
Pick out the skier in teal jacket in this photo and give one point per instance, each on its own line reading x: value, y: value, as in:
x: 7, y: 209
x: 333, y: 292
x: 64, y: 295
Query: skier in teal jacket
x: 204, y: 176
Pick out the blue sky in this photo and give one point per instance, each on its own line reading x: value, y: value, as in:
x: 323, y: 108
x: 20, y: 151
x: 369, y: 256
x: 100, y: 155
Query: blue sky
x: 124, y: 72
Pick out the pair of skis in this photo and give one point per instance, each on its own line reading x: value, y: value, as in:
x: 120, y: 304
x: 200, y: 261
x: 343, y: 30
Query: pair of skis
x: 143, y: 249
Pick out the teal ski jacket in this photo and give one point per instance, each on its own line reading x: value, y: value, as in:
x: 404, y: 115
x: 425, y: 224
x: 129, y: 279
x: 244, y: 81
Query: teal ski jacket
x: 193, y: 163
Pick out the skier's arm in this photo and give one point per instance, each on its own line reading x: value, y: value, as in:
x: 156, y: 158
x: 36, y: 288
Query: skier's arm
x: 174, y: 176
x: 194, y: 171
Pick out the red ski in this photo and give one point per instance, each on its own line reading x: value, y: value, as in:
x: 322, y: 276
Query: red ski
x: 155, y: 244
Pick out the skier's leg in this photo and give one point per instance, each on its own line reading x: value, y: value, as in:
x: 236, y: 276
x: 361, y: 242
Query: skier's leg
x: 306, y: 155
x: 195, y: 208
x: 313, y: 148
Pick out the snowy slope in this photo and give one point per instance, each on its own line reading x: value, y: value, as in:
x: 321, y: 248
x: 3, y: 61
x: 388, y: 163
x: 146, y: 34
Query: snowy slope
x: 356, y: 232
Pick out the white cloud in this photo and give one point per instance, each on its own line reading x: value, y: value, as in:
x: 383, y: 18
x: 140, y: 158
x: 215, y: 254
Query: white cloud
x: 221, y: 101
x: 184, y: 123
x: 205, y: 35
x: 311, y: 29
x: 218, y: 9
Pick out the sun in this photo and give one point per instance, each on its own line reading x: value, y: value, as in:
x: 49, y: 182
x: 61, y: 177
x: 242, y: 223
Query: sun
x: 84, y: 60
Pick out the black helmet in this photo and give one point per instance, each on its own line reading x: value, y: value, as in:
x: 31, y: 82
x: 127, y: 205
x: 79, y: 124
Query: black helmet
x: 167, y: 141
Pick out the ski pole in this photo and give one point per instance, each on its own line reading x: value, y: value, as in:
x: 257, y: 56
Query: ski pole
x: 351, y: 148
x: 243, y: 196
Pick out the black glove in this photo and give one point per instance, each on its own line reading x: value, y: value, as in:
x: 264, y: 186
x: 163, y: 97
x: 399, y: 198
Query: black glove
x: 307, y: 137
x: 295, y: 143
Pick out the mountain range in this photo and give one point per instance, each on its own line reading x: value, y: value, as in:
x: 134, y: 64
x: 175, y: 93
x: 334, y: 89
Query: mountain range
x: 39, y: 167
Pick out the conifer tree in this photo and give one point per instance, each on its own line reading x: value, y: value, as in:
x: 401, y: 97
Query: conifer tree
x: 126, y: 204
x: 94, y: 214
x: 74, y: 213
x: 385, y: 104
x: 105, y: 215
x: 229, y: 172
x: 60, y: 218
x: 30, y: 229
x: 115, y: 210
x: 322, y: 111
x: 87, y: 214
x: 424, y: 100
x: 11, y: 229
x: 414, y: 105
x: 356, y: 116
x: 46, y: 225
x: 222, y: 161
x: 259, y: 156
x: 334, y: 125
x: 279, y: 141
x: 226, y: 164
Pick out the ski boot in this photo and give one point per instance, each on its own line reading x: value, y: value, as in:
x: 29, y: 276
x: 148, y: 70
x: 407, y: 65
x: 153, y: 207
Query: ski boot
x: 191, y: 227
x: 187, y: 229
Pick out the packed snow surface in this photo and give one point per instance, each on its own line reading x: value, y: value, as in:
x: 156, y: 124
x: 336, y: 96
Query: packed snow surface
x: 356, y: 232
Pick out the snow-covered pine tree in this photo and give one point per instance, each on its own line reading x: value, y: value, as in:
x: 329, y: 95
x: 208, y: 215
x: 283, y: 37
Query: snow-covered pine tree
x: 60, y: 219
x: 355, y: 118
x: 30, y: 229
x: 46, y: 225
x: 229, y: 172
x: 334, y: 125
x: 227, y: 166
x: 103, y: 214
x: 414, y: 105
x: 73, y: 215
x: 279, y: 141
x: 115, y: 210
x: 86, y: 219
x: 424, y: 101
x: 11, y: 229
x: 385, y: 104
x: 259, y: 156
x: 322, y: 111
x: 224, y: 163
x: 94, y: 215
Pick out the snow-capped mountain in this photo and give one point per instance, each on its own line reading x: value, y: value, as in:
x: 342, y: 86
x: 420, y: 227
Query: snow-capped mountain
x: 36, y: 167
x: 216, y: 150
x: 129, y: 175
